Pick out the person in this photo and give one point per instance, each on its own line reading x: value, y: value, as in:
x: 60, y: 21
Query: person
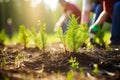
x: 110, y: 9
x: 68, y: 10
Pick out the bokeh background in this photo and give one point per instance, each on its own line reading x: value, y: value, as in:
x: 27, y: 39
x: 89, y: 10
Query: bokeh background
x: 14, y: 13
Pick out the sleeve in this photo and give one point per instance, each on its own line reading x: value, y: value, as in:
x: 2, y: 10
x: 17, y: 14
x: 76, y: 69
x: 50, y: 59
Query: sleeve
x: 108, y: 5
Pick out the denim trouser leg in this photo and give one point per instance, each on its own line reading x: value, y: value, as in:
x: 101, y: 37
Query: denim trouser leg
x: 115, y: 29
x: 65, y: 25
x: 97, y: 8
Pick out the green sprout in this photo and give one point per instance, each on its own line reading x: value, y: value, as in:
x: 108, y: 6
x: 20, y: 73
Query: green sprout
x: 23, y: 35
x: 99, y: 36
x: 81, y: 72
x: 62, y: 38
x: 42, y: 37
x: 70, y: 75
x: 74, y: 63
x: 16, y: 58
x: 96, y: 71
x: 76, y: 34
x: 4, y: 62
x: 34, y: 36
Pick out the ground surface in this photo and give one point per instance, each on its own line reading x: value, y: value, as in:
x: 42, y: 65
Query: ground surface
x: 17, y: 63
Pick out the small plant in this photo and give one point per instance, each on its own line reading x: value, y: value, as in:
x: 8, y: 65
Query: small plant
x: 23, y: 35
x: 3, y: 63
x: 34, y: 36
x: 17, y: 58
x: 81, y: 72
x: 96, y: 71
x: 17, y: 63
x: 62, y: 38
x: 70, y: 75
x: 6, y: 78
x: 74, y: 63
x: 99, y: 38
x: 2, y: 37
x: 42, y: 41
x: 76, y: 34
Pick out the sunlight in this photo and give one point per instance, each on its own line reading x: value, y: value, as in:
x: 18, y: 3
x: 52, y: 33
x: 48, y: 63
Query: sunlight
x: 51, y: 4
x: 34, y: 3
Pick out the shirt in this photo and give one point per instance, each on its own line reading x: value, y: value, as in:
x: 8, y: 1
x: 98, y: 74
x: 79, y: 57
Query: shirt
x: 74, y: 9
x: 108, y: 5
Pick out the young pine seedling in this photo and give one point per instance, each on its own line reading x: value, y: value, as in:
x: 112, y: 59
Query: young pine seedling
x: 24, y: 35
x: 42, y: 37
x: 76, y: 34
x: 74, y: 63
x: 35, y: 37
x: 62, y: 38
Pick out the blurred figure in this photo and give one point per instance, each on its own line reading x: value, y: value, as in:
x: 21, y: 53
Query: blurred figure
x: 68, y: 9
x: 9, y: 28
x: 110, y: 9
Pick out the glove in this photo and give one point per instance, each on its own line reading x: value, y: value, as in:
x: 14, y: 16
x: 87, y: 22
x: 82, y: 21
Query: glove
x: 93, y: 31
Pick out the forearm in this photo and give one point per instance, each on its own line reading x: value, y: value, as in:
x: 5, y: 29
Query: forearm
x: 85, y: 17
x: 102, y: 18
x: 86, y: 9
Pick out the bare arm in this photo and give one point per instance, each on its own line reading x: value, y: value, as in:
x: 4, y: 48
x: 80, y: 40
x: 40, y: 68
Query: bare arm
x: 102, y: 18
x: 86, y: 9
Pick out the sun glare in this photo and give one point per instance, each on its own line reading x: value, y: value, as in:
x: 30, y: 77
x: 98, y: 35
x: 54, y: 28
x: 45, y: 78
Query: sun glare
x: 50, y: 3
x: 34, y: 3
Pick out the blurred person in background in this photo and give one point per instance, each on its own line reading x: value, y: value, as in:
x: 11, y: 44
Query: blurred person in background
x: 68, y: 10
x: 104, y: 10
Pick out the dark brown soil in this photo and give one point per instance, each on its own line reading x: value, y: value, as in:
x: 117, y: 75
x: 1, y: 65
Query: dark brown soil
x: 17, y: 63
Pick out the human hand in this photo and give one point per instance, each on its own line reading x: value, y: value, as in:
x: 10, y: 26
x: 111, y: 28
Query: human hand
x: 93, y: 30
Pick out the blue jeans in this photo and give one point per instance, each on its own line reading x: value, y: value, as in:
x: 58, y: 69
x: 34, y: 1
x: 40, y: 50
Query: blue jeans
x: 115, y: 29
x: 65, y: 25
x: 97, y: 9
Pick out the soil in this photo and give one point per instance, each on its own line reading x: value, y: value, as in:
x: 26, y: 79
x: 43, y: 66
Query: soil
x: 31, y: 63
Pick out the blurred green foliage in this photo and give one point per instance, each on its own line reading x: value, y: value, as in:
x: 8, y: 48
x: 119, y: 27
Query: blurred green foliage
x: 21, y: 13
x: 3, y: 36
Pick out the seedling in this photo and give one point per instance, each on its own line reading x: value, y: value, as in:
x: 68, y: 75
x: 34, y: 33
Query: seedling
x: 76, y: 34
x: 23, y: 35
x: 99, y: 38
x: 81, y: 72
x: 34, y: 36
x: 42, y: 41
x: 62, y: 38
x: 17, y: 64
x: 4, y: 62
x: 74, y: 63
x: 96, y: 71
x: 70, y: 75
